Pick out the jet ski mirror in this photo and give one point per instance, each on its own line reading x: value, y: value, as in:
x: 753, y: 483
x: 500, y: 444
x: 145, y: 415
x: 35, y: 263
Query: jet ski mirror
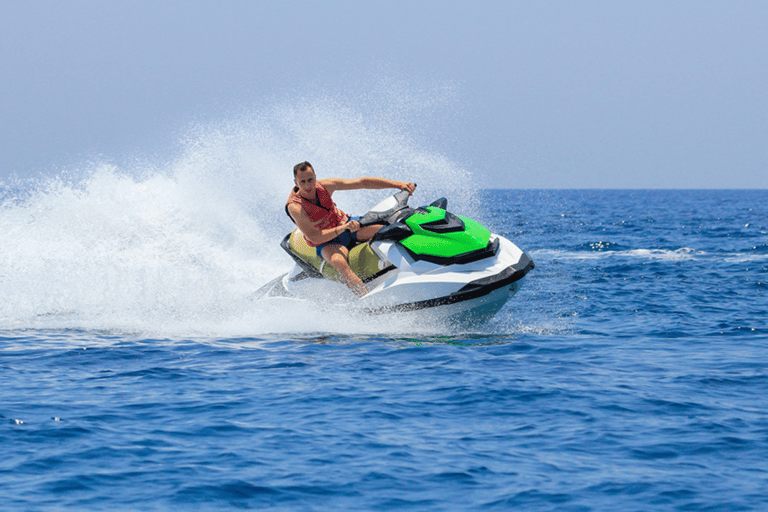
x: 441, y: 203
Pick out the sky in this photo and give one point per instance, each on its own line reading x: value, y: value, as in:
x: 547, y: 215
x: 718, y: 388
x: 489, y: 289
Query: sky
x: 546, y: 94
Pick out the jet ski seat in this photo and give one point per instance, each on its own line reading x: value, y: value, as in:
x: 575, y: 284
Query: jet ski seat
x: 362, y: 260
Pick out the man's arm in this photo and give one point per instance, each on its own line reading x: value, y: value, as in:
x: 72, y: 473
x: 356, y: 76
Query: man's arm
x: 333, y: 184
x: 311, y: 231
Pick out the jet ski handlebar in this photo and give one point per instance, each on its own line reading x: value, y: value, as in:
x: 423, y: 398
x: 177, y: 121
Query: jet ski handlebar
x: 393, y: 209
x: 383, y: 212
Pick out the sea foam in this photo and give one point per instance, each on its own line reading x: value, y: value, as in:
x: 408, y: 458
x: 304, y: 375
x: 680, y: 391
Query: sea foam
x: 179, y: 246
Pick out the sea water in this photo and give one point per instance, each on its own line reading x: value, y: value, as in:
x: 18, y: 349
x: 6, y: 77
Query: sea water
x: 137, y: 371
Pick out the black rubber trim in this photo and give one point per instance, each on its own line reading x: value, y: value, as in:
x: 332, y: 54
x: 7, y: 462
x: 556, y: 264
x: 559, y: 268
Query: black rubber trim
x: 400, y: 215
x: 304, y: 275
x: 379, y: 274
x: 306, y: 267
x: 468, y: 257
x: 472, y: 290
x: 448, y: 224
x: 396, y: 232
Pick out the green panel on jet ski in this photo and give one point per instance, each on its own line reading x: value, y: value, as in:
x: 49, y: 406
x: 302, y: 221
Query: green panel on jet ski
x: 448, y: 244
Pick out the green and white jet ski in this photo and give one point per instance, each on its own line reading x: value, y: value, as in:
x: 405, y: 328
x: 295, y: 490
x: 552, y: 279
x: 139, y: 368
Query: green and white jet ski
x: 422, y: 259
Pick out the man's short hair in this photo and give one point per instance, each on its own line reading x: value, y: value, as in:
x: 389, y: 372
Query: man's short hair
x: 303, y: 166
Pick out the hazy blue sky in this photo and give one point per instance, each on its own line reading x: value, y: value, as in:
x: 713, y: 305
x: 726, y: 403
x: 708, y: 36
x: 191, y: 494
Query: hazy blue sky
x: 556, y: 94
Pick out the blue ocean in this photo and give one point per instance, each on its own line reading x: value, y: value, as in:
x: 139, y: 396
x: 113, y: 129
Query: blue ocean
x: 138, y: 372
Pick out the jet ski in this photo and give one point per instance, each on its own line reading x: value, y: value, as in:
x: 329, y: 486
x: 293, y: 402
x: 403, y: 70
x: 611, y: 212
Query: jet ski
x: 423, y: 258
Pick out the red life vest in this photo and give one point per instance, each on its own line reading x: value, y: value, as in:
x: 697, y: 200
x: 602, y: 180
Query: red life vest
x: 325, y: 216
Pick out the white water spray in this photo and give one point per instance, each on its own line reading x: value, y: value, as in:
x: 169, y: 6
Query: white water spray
x: 179, y: 248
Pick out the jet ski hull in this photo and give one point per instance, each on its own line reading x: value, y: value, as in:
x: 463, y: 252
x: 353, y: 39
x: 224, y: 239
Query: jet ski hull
x: 462, y: 293
x: 403, y: 277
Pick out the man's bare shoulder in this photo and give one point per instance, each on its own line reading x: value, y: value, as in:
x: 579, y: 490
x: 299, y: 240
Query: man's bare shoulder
x: 296, y: 212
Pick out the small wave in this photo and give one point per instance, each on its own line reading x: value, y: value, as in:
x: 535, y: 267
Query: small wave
x: 761, y: 249
x: 755, y: 253
x: 745, y: 258
x: 601, y: 246
x: 682, y: 254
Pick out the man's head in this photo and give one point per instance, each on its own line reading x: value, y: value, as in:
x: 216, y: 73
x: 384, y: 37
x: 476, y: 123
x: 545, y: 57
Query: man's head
x: 303, y: 166
x: 304, y: 178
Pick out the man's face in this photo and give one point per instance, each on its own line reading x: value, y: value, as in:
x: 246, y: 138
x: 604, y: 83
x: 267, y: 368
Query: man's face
x: 305, y: 180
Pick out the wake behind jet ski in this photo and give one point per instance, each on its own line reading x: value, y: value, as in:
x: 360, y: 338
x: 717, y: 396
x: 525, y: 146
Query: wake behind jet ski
x: 423, y: 258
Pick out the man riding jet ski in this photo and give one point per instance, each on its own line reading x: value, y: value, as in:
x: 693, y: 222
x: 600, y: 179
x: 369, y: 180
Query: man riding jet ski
x: 324, y: 225
x: 416, y: 258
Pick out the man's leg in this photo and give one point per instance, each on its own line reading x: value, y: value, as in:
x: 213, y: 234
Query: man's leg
x: 367, y: 232
x: 337, y: 256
